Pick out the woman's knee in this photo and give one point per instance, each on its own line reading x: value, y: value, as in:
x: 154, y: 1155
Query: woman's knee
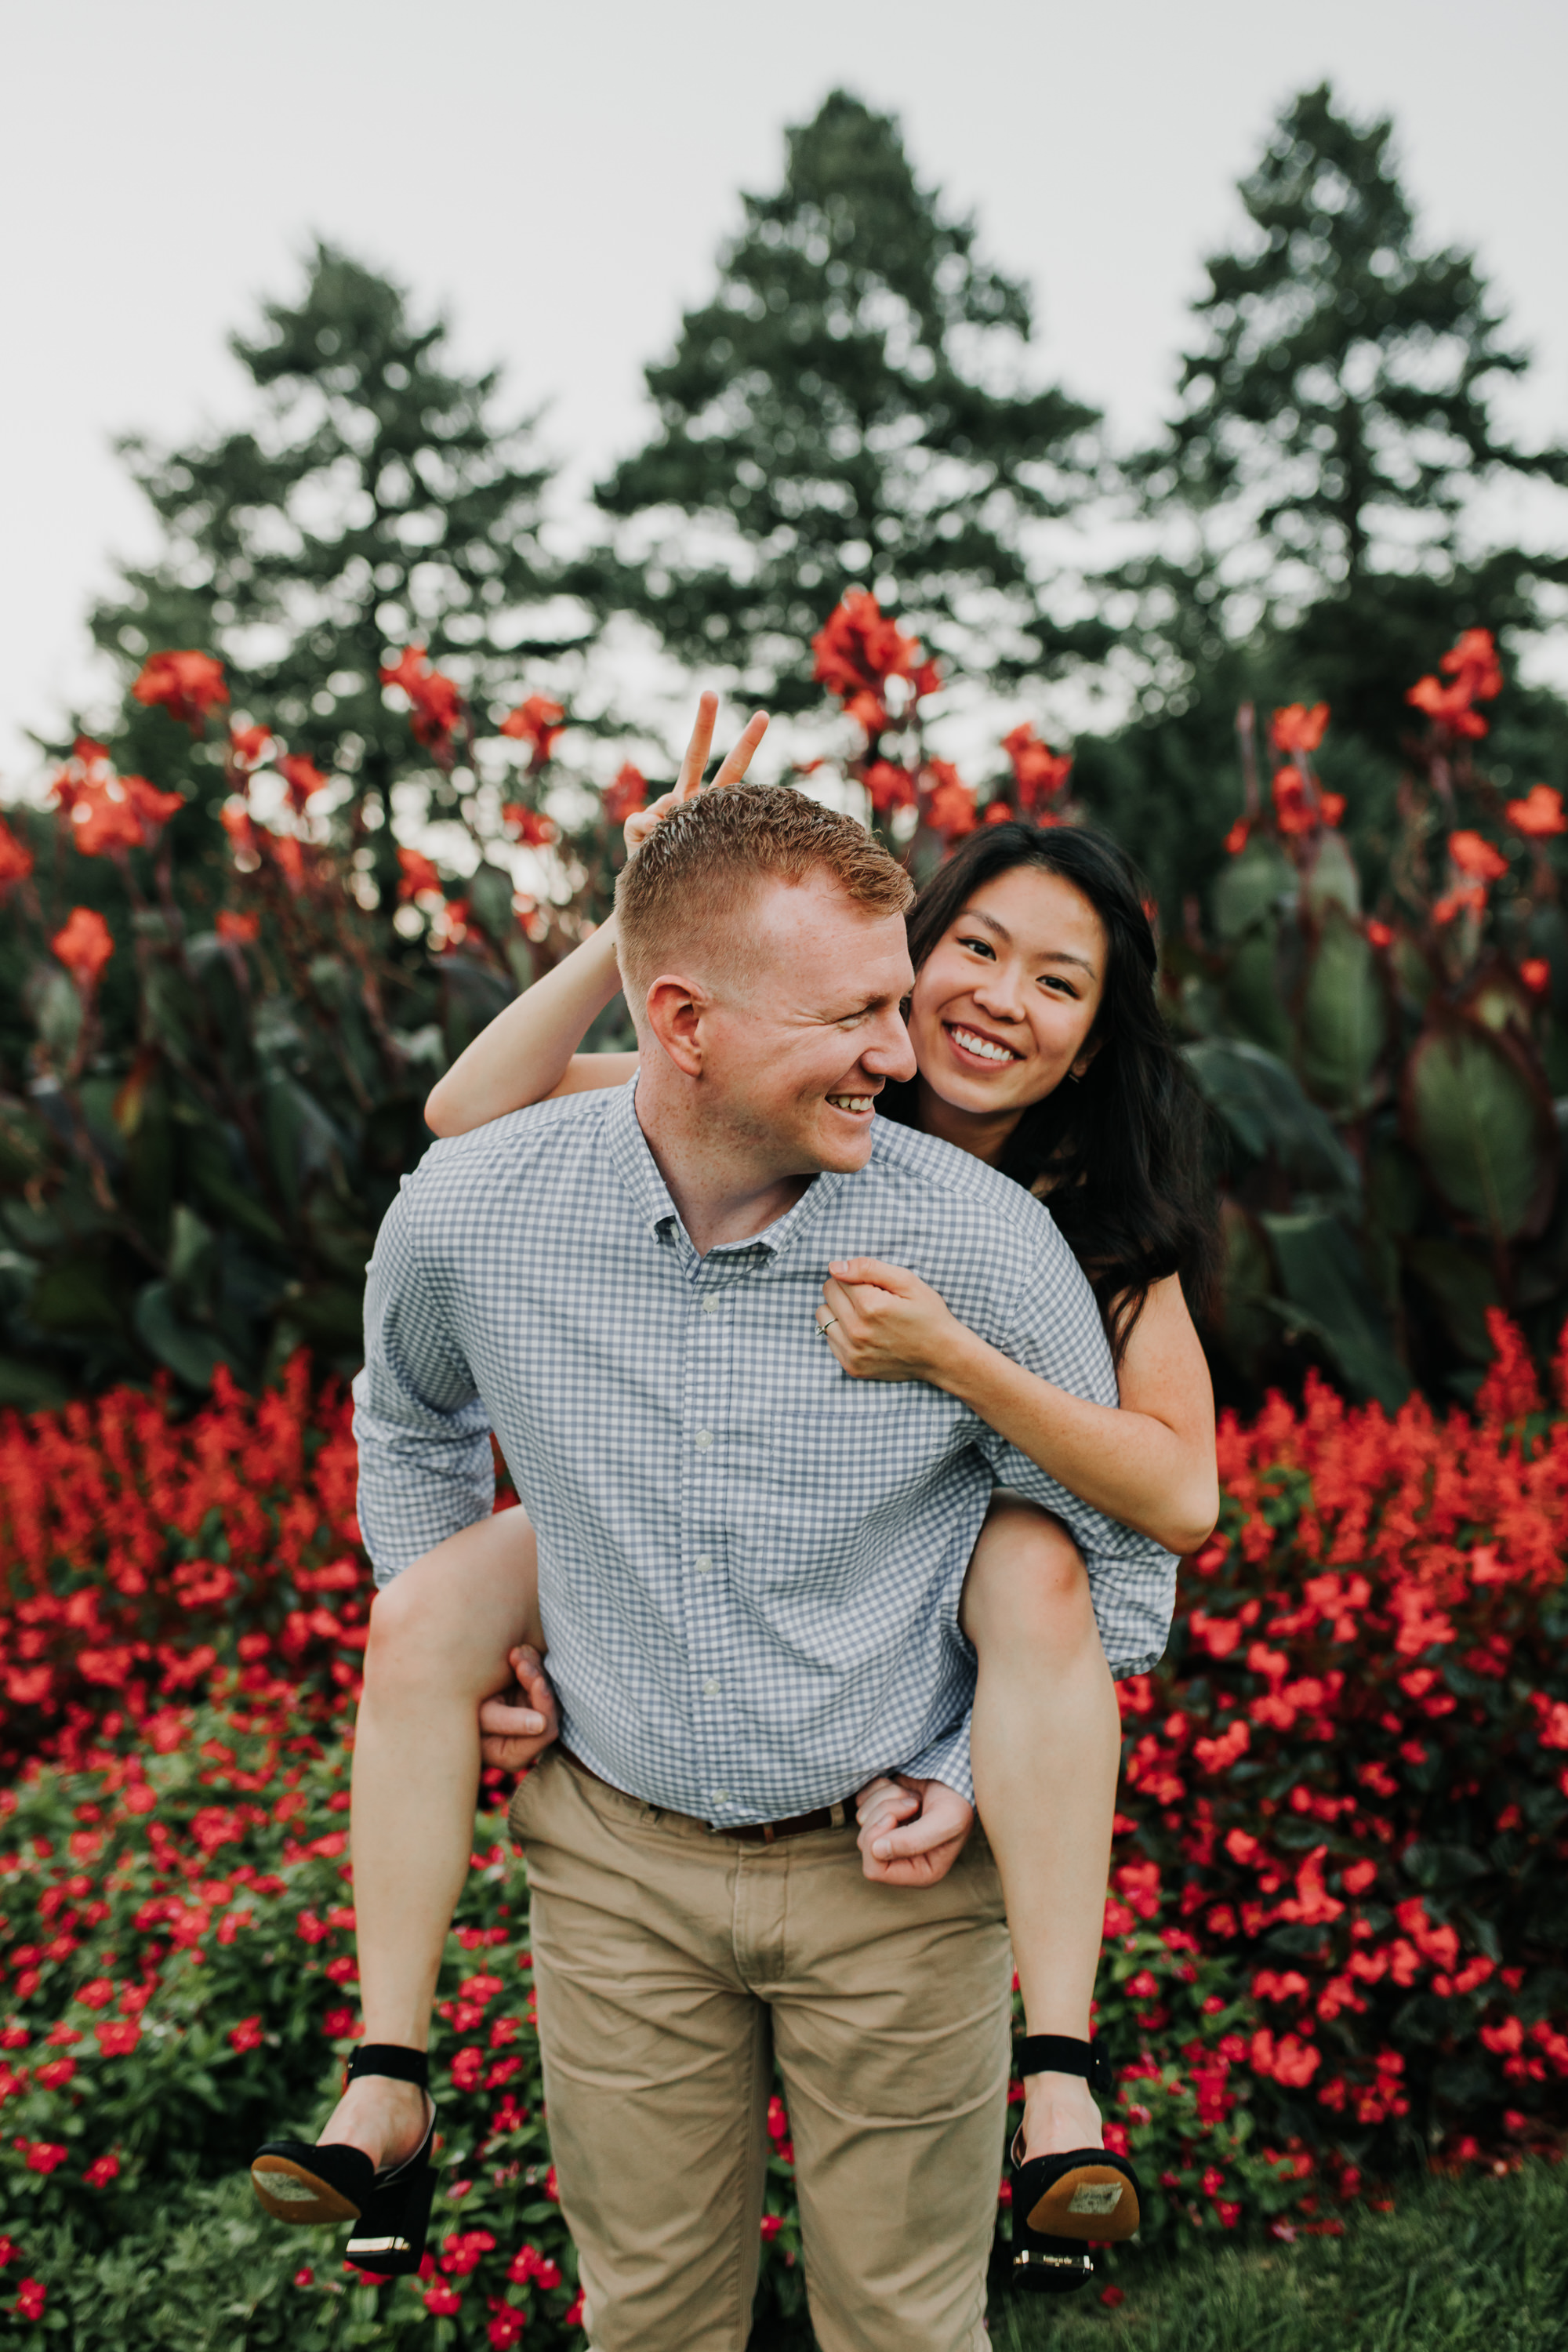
x: 1026, y: 1580
x: 448, y: 1622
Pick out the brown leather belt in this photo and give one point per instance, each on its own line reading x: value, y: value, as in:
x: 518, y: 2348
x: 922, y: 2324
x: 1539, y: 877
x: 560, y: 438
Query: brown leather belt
x: 826, y: 1817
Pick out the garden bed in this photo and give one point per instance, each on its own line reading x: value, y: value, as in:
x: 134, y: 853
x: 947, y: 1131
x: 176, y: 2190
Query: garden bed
x: 1333, y: 1935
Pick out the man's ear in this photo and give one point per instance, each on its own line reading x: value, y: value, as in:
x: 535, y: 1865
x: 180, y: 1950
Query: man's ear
x: 674, y: 1011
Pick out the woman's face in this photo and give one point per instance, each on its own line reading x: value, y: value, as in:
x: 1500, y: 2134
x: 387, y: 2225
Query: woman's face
x: 1004, y: 1004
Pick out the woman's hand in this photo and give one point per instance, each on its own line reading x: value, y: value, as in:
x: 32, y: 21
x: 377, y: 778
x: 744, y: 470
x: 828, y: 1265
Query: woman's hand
x: 889, y: 1324
x: 641, y: 822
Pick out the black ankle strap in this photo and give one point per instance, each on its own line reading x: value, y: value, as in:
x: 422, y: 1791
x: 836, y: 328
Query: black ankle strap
x: 391, y: 2059
x: 1056, y: 2054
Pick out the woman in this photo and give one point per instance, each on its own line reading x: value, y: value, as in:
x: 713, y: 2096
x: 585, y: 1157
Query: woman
x: 1040, y: 1049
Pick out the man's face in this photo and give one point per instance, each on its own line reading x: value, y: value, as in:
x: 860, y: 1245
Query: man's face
x: 795, y: 1053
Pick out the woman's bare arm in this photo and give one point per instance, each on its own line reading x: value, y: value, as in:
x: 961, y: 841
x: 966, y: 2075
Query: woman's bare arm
x: 1149, y: 1465
x: 530, y: 1052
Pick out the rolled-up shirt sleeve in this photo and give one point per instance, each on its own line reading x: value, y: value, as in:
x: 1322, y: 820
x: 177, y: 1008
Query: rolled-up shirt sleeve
x: 1055, y: 1330
x: 426, y: 1466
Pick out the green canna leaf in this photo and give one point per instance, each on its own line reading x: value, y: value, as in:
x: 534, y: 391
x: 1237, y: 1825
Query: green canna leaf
x: 1479, y: 1118
x: 1344, y: 1020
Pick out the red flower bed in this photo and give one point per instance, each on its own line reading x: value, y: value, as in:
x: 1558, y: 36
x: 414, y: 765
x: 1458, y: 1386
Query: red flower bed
x: 140, y: 1553
x: 1350, y: 1773
x: 1338, y: 1909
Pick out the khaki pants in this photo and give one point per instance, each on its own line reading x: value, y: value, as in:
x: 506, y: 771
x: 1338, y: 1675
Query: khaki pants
x: 671, y: 1967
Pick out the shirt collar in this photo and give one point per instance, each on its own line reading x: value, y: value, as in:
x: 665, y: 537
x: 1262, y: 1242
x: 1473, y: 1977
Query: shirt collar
x: 651, y: 1203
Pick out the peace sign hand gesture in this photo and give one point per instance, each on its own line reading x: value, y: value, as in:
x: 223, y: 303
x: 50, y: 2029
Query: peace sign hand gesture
x: 641, y: 823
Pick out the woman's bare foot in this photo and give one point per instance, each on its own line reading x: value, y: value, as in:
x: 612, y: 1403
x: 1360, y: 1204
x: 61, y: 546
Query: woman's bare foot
x: 1059, y: 2114
x: 387, y: 2120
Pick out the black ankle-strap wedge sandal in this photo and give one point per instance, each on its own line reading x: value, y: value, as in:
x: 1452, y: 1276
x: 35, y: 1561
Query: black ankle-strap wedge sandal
x: 1061, y: 2201
x: 391, y: 2208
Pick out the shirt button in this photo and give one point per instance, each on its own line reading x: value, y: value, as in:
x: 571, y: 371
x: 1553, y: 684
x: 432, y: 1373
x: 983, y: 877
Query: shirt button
x: 703, y: 1565
x: 711, y: 1688
x: 711, y: 1307
x: 704, y: 1440
x: 720, y: 1796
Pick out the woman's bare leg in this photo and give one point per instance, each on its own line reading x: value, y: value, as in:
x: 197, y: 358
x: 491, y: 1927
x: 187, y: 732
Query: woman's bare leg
x: 440, y: 1635
x: 1046, y: 1748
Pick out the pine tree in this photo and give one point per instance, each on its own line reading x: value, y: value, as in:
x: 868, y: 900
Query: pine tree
x: 1337, y: 417
x: 1312, y: 502
x: 376, y: 501
x: 846, y: 412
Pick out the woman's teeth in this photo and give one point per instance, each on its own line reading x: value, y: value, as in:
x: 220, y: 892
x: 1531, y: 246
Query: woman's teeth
x: 852, y: 1102
x: 973, y: 1044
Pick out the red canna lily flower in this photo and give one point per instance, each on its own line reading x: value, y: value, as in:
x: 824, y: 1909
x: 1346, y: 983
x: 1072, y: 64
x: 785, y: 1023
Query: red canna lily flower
x: 950, y: 807
x: 891, y: 788
x: 532, y: 826
x: 419, y: 875
x: 84, y: 946
x: 1379, y: 934
x: 1536, y: 974
x: 536, y: 721
x: 1235, y: 840
x: 627, y: 794
x: 1473, y: 665
x: 1294, y: 728
x: 870, y: 712
x: 1293, y: 811
x: 303, y: 777
x: 1448, y: 706
x: 16, y: 859
x: 239, y: 930
x: 858, y: 648
x: 1539, y: 814
x: 186, y: 685
x: 1040, y: 772
x: 248, y: 746
x: 1473, y: 854
x: 435, y: 701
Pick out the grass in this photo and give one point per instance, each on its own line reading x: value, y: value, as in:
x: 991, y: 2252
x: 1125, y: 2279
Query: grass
x: 1478, y: 2264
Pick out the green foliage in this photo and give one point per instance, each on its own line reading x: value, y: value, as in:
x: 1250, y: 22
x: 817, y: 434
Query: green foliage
x: 1384, y: 1084
x: 832, y: 419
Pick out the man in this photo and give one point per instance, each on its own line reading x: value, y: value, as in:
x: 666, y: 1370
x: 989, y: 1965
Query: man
x: 750, y: 1567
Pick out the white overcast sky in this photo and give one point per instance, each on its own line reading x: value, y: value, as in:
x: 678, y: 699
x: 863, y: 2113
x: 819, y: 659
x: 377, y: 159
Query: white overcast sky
x: 558, y: 179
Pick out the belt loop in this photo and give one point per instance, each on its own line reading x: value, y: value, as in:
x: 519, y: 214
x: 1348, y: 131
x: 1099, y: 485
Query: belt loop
x: 768, y: 1837
x: 840, y: 1813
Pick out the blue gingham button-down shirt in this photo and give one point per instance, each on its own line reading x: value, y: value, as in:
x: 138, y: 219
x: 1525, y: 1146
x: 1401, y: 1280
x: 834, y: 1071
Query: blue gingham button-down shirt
x: 749, y: 1563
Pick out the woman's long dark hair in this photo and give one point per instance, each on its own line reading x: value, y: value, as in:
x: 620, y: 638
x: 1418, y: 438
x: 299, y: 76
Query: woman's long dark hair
x: 1119, y: 1153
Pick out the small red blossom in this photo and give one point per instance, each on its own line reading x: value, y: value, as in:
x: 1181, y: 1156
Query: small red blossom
x: 1039, y: 771
x: 627, y: 794
x: 1539, y: 814
x: 1381, y: 935
x: 536, y: 721
x: 237, y: 929
x: 1236, y: 839
x: 442, y: 2299
x: 249, y: 747
x: 1474, y: 855
x: 16, y: 859
x: 1296, y: 729
x: 950, y: 805
x: 101, y: 2171
x: 858, y: 648
x: 436, y: 700
x: 532, y: 826
x: 84, y: 946
x: 246, y: 2035
x: 890, y: 787
x: 1536, y: 974
x: 419, y: 875
x: 31, y: 2296
x: 1111, y: 2297
x: 302, y: 778
x: 186, y: 685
